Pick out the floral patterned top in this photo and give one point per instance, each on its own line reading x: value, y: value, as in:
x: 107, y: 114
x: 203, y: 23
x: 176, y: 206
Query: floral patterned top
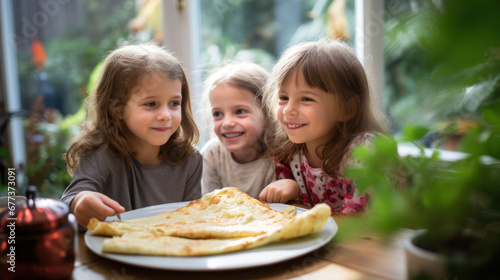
x: 317, y: 187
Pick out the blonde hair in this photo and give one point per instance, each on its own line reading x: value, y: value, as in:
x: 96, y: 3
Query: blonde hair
x: 331, y: 66
x: 103, y: 126
x: 243, y: 75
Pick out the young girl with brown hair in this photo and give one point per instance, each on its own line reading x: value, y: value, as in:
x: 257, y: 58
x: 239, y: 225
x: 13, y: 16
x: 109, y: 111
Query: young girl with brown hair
x: 136, y: 146
x: 321, y: 101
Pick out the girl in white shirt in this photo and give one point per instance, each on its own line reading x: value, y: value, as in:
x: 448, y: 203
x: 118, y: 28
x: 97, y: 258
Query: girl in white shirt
x: 235, y: 157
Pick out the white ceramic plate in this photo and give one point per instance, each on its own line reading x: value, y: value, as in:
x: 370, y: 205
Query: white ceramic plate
x: 268, y: 254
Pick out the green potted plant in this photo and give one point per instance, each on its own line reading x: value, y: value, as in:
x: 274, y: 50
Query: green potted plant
x: 452, y: 202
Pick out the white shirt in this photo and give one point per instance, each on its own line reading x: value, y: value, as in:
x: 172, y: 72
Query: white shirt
x: 220, y: 171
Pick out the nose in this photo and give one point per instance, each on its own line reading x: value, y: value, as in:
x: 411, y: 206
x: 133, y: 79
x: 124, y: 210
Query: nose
x: 289, y: 110
x: 164, y: 114
x: 228, y: 121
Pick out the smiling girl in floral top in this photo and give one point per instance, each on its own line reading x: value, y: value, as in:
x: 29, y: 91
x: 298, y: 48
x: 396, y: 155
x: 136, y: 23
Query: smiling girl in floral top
x: 320, y: 96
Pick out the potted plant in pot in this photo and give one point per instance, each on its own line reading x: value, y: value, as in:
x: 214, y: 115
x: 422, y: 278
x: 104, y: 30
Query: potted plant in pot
x: 454, y: 203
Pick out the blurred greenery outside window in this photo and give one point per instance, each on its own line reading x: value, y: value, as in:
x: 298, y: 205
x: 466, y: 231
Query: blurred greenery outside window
x: 58, y: 45
x: 65, y: 40
x: 260, y: 30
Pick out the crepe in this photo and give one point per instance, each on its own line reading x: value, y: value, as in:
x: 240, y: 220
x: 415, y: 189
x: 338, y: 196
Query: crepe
x: 144, y: 243
x: 225, y: 213
x: 222, y: 221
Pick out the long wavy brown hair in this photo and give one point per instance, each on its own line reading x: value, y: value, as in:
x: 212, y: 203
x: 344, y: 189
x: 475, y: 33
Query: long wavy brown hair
x: 103, y: 126
x: 331, y: 66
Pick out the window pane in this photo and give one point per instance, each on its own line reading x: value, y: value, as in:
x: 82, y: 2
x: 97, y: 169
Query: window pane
x: 58, y: 44
x: 259, y: 30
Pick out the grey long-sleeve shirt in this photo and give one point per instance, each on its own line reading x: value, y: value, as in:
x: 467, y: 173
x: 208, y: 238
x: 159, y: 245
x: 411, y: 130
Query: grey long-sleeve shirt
x: 139, y: 186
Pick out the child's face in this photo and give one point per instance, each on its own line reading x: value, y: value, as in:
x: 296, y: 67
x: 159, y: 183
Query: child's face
x: 308, y: 115
x: 238, y: 121
x: 153, y: 112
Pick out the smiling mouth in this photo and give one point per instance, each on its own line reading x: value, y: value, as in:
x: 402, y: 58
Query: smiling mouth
x: 232, y: 135
x: 160, y: 129
x: 294, y: 125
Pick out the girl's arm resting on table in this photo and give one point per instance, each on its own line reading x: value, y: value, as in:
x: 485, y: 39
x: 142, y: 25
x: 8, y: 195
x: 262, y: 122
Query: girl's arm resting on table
x: 280, y: 191
x: 88, y: 204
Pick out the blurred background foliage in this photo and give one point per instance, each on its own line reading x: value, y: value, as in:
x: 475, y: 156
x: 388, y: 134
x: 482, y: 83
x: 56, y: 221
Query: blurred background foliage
x: 440, y: 67
x: 446, y: 70
x: 54, y: 92
x: 255, y: 30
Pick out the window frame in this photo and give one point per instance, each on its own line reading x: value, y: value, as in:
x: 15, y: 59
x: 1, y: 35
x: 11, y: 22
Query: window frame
x: 10, y: 90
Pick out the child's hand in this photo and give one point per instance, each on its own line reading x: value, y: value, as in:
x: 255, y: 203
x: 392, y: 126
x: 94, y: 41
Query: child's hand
x: 89, y: 204
x: 280, y: 191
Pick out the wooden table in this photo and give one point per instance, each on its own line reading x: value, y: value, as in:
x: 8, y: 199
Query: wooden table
x: 365, y: 257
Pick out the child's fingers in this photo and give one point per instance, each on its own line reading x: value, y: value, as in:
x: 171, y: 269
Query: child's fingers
x: 271, y: 197
x: 110, y: 203
x: 275, y: 196
x: 102, y: 207
x: 87, y: 205
x: 283, y: 199
x: 268, y: 195
x: 263, y: 195
x: 279, y: 196
x: 97, y: 209
x: 82, y: 219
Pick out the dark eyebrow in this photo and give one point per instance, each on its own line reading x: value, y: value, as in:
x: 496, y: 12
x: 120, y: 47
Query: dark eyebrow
x: 144, y: 98
x: 249, y: 108
x: 309, y: 92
